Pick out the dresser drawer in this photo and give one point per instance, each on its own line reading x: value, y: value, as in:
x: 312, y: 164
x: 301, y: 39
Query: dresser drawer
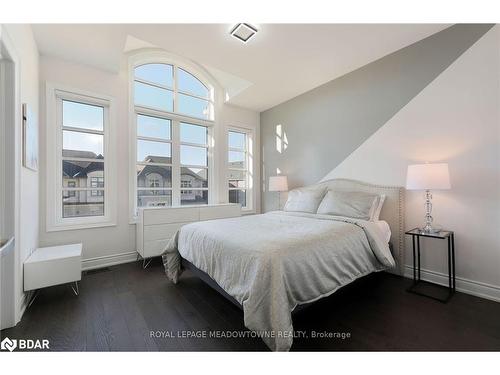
x: 171, y: 215
x: 154, y: 248
x: 219, y: 212
x: 156, y: 226
x: 161, y: 231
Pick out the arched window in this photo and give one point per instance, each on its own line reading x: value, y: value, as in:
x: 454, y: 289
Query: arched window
x: 174, y: 114
x: 172, y: 89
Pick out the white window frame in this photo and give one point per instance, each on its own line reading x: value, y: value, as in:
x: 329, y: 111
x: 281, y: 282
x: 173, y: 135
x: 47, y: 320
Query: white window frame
x: 55, y: 94
x: 249, y: 162
x: 160, y: 57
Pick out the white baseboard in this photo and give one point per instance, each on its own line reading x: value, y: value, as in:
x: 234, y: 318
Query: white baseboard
x: 108, y: 260
x: 474, y: 288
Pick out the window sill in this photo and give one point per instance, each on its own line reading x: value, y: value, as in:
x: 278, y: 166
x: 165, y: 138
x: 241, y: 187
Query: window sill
x: 64, y: 227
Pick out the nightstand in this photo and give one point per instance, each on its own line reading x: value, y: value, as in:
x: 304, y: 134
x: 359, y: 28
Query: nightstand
x: 54, y: 265
x: 425, y: 288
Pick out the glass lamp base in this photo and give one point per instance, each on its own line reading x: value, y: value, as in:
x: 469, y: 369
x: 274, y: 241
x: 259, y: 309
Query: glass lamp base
x: 429, y: 229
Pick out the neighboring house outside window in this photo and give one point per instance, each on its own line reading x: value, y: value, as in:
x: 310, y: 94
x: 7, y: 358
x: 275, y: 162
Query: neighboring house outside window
x: 186, y: 184
x: 70, y: 193
x: 97, y: 182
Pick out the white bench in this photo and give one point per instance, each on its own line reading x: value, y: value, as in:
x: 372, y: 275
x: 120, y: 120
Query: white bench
x: 48, y: 266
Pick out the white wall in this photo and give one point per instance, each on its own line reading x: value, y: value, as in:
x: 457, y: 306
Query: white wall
x: 456, y: 120
x: 117, y: 243
x: 26, y: 50
x: 105, y: 241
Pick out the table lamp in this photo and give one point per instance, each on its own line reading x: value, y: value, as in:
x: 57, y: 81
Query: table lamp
x: 428, y: 177
x: 279, y: 184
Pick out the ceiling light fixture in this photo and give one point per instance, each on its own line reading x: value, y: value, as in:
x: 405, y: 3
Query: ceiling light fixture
x: 243, y: 32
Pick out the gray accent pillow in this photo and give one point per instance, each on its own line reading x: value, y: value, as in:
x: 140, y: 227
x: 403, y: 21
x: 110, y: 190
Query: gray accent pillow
x: 304, y: 200
x: 357, y: 205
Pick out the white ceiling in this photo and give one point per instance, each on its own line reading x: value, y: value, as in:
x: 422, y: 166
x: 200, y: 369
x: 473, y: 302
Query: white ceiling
x: 279, y: 63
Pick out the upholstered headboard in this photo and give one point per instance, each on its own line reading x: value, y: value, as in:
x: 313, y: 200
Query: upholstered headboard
x: 392, y: 211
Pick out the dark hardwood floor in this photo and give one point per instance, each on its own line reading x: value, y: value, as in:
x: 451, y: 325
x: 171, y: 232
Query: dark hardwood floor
x: 119, y: 307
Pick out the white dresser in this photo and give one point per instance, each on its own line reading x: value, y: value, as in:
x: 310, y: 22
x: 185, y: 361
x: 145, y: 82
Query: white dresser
x: 157, y: 225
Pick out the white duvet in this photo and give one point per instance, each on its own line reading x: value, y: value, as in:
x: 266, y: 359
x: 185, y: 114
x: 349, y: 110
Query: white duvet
x: 273, y: 262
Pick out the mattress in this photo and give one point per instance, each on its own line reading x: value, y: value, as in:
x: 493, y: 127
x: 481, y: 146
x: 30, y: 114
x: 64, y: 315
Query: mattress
x: 273, y: 262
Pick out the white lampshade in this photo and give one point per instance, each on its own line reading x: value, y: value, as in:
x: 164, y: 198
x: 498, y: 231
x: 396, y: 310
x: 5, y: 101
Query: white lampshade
x: 428, y: 177
x: 278, y: 183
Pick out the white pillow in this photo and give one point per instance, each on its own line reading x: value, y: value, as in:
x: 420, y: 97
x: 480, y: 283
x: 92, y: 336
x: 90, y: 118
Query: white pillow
x: 357, y: 205
x: 377, y: 208
x: 304, y: 200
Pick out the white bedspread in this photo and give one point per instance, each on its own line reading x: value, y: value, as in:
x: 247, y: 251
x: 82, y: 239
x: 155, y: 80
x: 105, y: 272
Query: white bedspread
x: 273, y: 262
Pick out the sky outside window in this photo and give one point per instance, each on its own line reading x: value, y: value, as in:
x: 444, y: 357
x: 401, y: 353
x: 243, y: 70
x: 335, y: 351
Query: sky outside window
x: 83, y: 142
x: 85, y: 116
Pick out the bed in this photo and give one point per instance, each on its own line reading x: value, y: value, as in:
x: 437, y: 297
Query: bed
x: 271, y: 264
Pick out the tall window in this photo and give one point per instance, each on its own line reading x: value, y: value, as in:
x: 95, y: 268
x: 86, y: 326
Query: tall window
x: 174, y: 113
x: 239, y: 167
x: 79, y: 155
x: 83, y: 159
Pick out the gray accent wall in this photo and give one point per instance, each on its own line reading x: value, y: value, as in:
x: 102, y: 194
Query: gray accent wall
x: 309, y: 135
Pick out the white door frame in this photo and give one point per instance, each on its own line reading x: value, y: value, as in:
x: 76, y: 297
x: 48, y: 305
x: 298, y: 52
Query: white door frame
x: 11, y: 142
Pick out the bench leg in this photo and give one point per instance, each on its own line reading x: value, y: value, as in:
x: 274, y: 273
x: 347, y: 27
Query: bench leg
x: 33, y: 297
x: 75, y: 288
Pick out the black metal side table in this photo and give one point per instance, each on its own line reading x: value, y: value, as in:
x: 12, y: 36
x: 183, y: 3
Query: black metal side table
x: 423, y: 287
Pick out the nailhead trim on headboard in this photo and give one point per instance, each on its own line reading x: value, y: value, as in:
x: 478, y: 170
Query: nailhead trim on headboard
x: 401, y: 230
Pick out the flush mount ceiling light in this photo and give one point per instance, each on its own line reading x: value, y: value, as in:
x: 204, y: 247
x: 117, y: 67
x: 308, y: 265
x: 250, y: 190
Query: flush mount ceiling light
x: 243, y: 32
